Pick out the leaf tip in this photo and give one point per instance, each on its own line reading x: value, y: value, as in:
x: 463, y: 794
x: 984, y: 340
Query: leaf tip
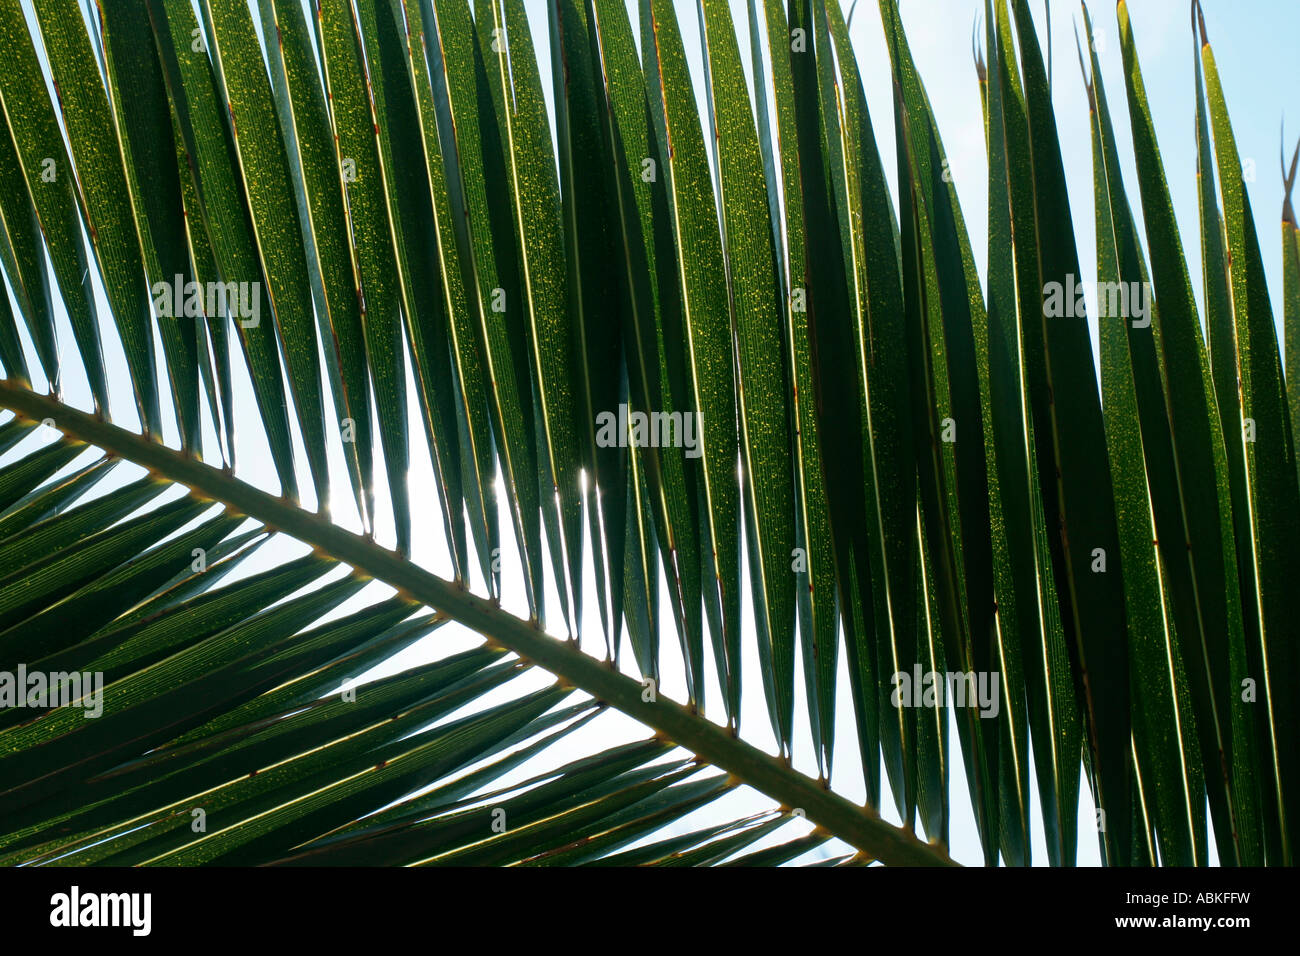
x: 1199, y: 22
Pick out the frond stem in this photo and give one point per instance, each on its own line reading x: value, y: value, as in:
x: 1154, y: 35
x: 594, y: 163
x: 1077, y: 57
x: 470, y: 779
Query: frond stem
x: 861, y: 827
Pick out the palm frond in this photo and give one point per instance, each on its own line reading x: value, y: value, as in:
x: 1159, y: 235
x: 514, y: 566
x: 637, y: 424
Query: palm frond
x: 703, y: 351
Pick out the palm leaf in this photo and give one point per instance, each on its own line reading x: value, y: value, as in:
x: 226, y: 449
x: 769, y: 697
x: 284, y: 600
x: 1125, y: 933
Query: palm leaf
x: 549, y: 288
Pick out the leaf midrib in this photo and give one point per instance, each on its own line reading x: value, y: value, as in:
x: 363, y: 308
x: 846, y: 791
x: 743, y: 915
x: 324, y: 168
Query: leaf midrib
x: 861, y: 827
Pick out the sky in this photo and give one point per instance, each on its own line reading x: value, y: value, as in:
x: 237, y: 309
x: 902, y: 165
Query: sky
x: 1254, y: 43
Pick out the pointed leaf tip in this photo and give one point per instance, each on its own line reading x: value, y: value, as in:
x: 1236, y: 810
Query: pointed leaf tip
x: 1083, y: 67
x: 1288, y: 183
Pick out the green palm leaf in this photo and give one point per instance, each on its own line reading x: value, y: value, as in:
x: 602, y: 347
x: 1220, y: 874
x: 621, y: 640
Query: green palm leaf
x: 674, y: 289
